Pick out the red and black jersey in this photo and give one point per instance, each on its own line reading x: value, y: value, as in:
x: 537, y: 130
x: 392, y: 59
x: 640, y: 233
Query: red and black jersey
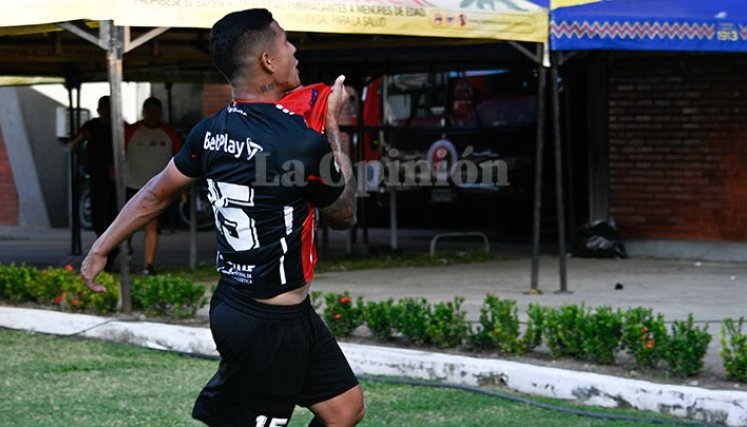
x: 266, y: 170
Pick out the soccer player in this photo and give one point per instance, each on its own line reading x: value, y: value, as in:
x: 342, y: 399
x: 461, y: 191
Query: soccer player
x: 267, y: 172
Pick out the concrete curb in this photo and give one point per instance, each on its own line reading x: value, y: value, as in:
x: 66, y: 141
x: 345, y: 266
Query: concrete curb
x: 712, y: 406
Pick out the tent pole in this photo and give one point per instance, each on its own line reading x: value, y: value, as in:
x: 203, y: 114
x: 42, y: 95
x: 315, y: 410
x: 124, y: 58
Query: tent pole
x: 78, y: 117
x: 75, y: 239
x: 537, y: 210
x: 393, y: 240
x: 75, y: 131
x: 114, y: 56
x: 566, y: 120
x: 169, y: 86
x: 361, y: 135
x: 171, y: 211
x: 559, y: 174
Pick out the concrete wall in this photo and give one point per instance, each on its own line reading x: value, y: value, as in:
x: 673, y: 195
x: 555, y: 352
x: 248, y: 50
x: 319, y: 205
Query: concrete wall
x: 678, y: 147
x: 50, y: 154
x: 32, y: 209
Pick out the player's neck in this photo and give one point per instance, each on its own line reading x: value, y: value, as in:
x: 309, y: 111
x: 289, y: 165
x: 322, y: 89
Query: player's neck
x: 262, y: 91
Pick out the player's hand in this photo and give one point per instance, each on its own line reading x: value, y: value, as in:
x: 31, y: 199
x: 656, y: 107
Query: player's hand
x: 336, y: 101
x: 92, y: 265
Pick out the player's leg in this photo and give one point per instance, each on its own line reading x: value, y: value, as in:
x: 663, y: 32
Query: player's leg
x: 331, y: 390
x: 345, y: 409
x: 262, y: 363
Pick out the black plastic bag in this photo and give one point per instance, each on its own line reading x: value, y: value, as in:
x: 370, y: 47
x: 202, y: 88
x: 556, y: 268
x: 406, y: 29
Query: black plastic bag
x: 599, y: 240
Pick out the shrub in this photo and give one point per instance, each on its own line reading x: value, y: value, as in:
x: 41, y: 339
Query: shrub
x: 685, y: 348
x: 340, y: 314
x: 563, y: 329
x: 167, y: 295
x: 78, y: 297
x: 52, y: 283
x: 378, y: 316
x: 16, y: 281
x: 498, y: 326
x: 601, y: 335
x: 642, y: 336
x: 447, y: 326
x: 734, y: 349
x: 409, y: 317
x: 536, y: 319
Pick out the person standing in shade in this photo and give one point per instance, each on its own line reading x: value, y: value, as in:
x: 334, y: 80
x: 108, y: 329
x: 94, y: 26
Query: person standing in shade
x: 99, y: 163
x: 149, y: 145
x: 268, y: 172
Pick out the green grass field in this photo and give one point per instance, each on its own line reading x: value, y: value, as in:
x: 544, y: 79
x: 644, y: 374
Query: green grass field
x: 54, y: 381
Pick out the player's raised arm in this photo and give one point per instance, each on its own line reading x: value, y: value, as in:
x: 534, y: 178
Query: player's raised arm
x: 341, y: 214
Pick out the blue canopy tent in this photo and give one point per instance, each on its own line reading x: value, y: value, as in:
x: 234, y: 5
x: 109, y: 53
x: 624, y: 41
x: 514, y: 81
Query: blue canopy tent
x: 639, y: 25
x: 664, y: 25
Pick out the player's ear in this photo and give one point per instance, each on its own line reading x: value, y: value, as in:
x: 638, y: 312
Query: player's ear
x: 266, y: 61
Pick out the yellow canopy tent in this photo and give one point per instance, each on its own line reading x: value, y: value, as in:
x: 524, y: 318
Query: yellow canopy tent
x: 518, y: 20
x: 111, y: 25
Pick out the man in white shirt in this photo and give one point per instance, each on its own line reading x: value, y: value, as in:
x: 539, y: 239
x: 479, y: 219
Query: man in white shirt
x: 150, y: 145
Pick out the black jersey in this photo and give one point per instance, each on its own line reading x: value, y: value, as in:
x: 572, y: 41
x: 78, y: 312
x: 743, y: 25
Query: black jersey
x: 266, y: 171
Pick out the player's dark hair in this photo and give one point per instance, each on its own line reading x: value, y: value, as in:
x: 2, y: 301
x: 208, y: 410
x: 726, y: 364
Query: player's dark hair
x: 153, y: 101
x: 236, y: 36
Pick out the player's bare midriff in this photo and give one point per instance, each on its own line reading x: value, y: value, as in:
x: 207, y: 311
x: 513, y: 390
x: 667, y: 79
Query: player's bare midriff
x: 293, y: 297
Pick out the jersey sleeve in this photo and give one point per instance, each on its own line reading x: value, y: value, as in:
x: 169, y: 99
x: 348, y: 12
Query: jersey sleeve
x: 311, y: 103
x: 189, y: 157
x: 324, y: 181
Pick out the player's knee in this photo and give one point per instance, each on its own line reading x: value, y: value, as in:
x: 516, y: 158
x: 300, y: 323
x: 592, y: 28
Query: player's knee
x: 356, y: 410
x: 350, y: 416
x: 354, y: 414
x: 359, y: 413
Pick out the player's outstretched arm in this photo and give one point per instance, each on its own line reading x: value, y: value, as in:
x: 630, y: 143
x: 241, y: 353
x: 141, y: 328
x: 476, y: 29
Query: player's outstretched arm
x: 341, y: 214
x: 147, y: 204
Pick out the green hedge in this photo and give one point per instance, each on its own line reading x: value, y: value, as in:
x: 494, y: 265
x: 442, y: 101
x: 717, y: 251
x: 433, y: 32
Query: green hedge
x: 167, y: 295
x: 573, y: 331
x: 61, y: 287
x: 64, y: 288
x: 734, y: 349
x: 570, y: 331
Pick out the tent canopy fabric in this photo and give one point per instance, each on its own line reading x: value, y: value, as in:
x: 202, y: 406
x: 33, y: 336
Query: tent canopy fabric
x: 517, y: 20
x: 323, y: 30
x: 20, y: 13
x: 665, y: 25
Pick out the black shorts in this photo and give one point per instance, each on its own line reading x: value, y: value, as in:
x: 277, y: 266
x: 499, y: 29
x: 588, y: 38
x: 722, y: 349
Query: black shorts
x: 272, y: 358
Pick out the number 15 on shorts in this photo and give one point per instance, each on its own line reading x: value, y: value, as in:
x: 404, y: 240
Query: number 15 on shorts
x: 274, y: 422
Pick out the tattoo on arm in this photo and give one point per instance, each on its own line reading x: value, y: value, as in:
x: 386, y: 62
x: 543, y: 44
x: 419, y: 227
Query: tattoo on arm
x: 341, y: 214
